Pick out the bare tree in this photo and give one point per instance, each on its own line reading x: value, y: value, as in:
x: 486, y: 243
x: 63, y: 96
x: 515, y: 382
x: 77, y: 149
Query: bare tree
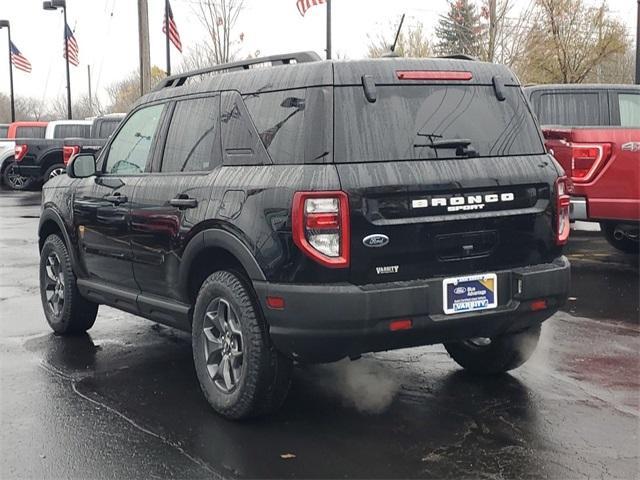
x: 219, y: 18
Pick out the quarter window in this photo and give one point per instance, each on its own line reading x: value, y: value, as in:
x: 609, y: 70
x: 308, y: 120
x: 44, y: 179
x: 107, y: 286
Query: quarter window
x: 279, y: 118
x: 130, y: 149
x: 191, y: 144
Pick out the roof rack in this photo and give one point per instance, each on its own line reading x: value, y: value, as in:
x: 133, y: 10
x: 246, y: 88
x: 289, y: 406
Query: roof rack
x: 459, y: 56
x: 275, y: 60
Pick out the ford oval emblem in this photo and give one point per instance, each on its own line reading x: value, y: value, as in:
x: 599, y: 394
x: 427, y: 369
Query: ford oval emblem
x: 460, y: 290
x: 376, y: 240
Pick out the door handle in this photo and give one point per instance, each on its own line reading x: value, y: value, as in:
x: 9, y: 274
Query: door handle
x: 116, y: 198
x: 183, y: 202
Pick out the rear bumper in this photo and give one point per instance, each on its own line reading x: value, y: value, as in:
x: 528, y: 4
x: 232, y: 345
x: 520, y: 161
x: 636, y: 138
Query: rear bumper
x: 595, y: 209
x: 322, y: 323
x: 578, y: 208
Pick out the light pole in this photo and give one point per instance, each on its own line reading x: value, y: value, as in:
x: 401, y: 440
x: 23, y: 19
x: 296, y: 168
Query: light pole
x: 55, y: 5
x: 3, y: 24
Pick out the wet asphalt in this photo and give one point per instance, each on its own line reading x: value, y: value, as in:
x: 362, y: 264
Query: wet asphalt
x: 123, y: 401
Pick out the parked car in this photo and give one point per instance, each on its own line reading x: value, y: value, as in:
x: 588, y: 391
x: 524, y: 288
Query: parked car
x: 314, y: 210
x: 594, y: 132
x: 8, y: 169
x: 101, y: 129
x: 42, y: 159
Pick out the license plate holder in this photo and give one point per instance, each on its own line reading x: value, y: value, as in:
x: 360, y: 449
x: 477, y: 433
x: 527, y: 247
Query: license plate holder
x: 470, y: 293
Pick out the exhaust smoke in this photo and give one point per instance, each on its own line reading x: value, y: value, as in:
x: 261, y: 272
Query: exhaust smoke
x: 364, y: 384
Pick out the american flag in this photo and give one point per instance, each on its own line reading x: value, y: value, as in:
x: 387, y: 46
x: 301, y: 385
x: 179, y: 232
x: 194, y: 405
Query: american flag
x: 304, y: 5
x: 72, y: 45
x: 174, y: 36
x: 19, y: 61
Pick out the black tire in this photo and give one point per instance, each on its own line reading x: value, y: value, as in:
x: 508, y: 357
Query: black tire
x: 73, y: 313
x: 53, y: 171
x: 13, y: 180
x: 626, y: 245
x: 260, y: 377
x: 502, y: 354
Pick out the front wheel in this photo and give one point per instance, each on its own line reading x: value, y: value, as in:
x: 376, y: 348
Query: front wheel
x: 66, y: 311
x: 492, y: 356
x: 240, y: 372
x: 14, y: 180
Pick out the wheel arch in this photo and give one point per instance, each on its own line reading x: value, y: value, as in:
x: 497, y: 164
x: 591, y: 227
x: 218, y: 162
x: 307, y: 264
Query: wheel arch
x: 50, y: 159
x: 211, y: 250
x: 51, y: 223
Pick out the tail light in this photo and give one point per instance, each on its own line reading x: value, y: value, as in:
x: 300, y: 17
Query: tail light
x: 320, y: 223
x: 563, y: 226
x: 68, y: 152
x: 21, y: 151
x: 587, y: 160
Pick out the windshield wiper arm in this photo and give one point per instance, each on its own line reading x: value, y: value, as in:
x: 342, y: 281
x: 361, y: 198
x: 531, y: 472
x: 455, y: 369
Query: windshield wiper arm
x: 450, y: 143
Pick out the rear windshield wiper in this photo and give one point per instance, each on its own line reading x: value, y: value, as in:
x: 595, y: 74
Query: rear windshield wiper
x: 461, y: 145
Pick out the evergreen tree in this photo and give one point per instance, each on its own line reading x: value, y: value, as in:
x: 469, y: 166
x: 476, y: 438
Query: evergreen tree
x: 460, y: 30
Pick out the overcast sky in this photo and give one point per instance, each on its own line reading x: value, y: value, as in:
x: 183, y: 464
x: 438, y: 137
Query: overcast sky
x: 106, y: 31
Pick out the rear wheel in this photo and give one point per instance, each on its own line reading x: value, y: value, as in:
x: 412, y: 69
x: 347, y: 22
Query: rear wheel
x: 491, y: 356
x: 621, y: 240
x: 54, y: 171
x: 67, y: 312
x: 240, y: 372
x: 14, y: 180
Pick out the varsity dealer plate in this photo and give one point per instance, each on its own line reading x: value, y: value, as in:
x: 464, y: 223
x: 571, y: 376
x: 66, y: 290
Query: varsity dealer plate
x: 470, y: 293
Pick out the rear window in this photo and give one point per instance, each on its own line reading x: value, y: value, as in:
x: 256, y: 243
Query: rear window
x: 30, y: 132
x: 570, y: 108
x: 72, y: 131
x: 4, y: 130
x: 629, y: 105
x: 413, y: 122
x: 107, y: 127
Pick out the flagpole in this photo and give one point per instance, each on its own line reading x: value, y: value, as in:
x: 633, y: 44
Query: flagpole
x: 166, y: 34
x: 5, y: 23
x: 66, y: 51
x: 328, y: 29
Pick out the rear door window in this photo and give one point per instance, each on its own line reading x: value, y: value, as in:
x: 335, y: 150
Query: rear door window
x: 72, y: 131
x: 570, y: 108
x: 30, y: 132
x: 432, y: 122
x: 4, y: 130
x: 241, y: 143
x: 629, y: 107
x: 192, y: 143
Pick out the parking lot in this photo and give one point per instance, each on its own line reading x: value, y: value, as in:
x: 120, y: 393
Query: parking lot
x: 124, y: 402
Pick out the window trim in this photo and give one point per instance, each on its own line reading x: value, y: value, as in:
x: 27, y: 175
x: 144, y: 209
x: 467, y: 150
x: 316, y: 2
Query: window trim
x: 103, y: 156
x: 156, y: 167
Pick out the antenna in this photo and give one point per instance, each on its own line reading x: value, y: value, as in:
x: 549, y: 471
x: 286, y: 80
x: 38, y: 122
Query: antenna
x: 395, y: 42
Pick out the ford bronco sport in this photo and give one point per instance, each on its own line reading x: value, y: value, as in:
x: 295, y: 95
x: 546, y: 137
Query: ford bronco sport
x: 286, y: 209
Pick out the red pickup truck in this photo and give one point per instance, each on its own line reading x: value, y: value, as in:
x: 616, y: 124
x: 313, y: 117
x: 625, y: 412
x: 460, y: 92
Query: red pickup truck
x: 594, y: 133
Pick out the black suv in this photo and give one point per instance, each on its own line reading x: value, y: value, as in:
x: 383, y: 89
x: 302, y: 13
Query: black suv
x: 287, y: 209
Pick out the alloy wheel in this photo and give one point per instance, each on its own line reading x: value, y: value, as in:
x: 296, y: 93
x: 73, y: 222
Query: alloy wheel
x: 55, y: 172
x: 223, y: 345
x: 15, y: 180
x: 54, y: 284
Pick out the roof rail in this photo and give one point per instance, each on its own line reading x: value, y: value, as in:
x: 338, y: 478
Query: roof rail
x: 459, y: 56
x: 285, y: 59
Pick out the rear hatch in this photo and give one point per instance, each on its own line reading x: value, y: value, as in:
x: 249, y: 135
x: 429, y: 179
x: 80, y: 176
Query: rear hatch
x: 445, y: 170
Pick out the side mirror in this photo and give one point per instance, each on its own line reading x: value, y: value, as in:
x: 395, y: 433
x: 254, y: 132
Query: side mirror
x: 82, y: 166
